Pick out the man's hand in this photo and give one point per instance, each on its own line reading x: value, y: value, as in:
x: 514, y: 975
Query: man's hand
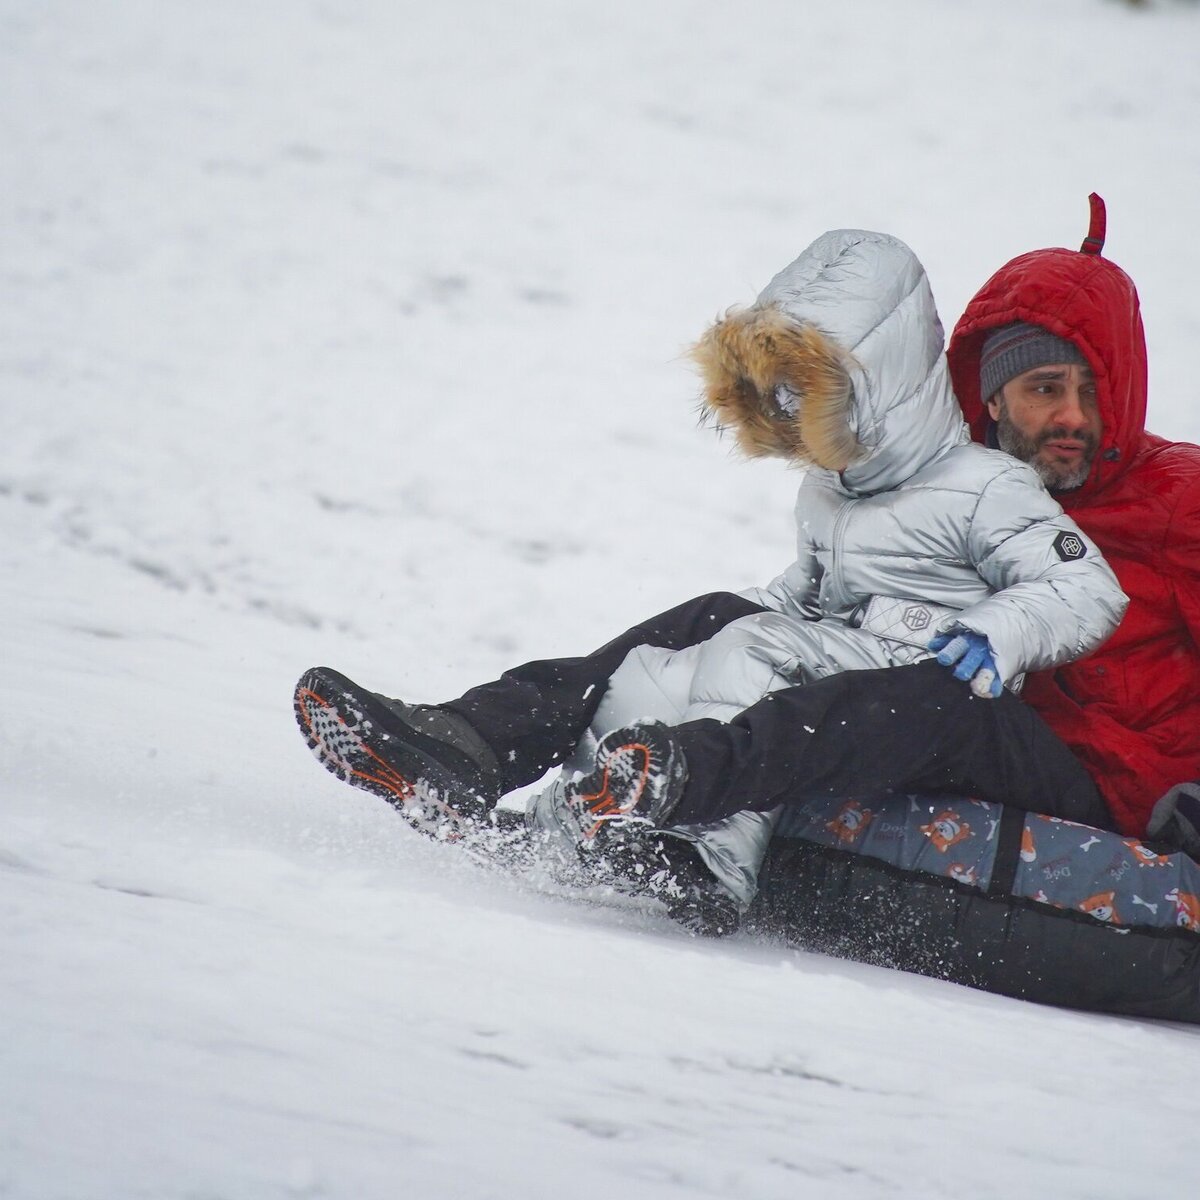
x: 974, y: 658
x: 1176, y: 819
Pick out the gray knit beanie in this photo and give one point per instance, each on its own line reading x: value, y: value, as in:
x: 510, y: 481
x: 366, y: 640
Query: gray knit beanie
x: 1013, y: 349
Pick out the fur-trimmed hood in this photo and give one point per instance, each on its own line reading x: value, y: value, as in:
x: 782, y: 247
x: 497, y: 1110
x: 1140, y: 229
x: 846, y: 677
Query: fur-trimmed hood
x: 838, y: 364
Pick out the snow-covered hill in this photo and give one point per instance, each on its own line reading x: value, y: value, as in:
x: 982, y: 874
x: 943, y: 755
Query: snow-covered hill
x: 351, y: 331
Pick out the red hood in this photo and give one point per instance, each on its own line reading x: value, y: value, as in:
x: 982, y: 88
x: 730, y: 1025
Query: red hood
x: 1087, y: 300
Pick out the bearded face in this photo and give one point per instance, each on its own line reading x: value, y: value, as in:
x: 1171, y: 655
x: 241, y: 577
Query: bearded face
x: 1043, y: 451
x: 1049, y: 418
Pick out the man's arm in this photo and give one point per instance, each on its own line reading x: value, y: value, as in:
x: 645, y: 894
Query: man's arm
x: 1181, y: 560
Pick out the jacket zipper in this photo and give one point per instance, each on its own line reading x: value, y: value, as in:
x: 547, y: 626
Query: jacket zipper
x: 839, y: 530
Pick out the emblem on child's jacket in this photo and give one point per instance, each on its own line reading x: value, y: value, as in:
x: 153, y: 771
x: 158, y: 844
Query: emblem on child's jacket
x: 1069, y: 546
x: 899, y: 619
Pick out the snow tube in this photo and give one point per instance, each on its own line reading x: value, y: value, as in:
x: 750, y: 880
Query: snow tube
x: 992, y: 897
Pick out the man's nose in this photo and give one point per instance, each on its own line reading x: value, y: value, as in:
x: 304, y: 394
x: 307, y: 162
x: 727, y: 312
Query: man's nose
x: 1071, y: 411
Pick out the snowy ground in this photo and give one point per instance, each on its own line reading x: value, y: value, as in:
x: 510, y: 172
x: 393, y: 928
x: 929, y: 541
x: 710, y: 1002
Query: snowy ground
x: 350, y: 332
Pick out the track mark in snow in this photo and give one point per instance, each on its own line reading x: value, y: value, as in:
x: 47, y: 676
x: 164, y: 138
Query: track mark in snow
x: 336, y: 504
x: 493, y: 1056
x: 96, y: 632
x: 395, y: 1137
x: 607, y: 1131
x: 840, y: 1170
x: 159, y: 572
x: 140, y: 893
x: 14, y: 862
x: 536, y: 295
x: 784, y: 1071
x: 775, y: 1070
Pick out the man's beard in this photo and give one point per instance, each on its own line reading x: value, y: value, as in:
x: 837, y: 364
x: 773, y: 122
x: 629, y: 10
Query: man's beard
x: 1056, y: 479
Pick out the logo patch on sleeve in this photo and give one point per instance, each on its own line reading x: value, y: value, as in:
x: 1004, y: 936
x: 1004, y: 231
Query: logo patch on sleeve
x: 1069, y: 546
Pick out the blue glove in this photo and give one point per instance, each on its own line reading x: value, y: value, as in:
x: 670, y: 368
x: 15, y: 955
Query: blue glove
x: 974, y: 658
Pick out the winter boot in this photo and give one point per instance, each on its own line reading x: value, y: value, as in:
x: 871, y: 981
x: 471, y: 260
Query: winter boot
x: 427, y: 762
x: 638, y: 776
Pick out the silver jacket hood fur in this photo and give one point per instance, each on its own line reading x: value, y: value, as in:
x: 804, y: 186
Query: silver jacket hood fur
x: 838, y: 364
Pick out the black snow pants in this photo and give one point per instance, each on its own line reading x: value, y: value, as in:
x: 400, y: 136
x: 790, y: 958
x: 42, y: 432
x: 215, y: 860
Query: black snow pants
x: 870, y: 733
x: 533, y: 716
x: 858, y: 733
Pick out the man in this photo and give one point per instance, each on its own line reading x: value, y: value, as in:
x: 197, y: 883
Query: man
x: 901, y: 728
x: 1131, y: 710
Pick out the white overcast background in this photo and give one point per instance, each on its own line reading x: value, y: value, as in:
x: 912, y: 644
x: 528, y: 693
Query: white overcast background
x: 353, y: 331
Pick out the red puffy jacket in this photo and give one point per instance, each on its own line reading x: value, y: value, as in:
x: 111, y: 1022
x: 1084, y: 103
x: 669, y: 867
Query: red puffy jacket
x: 1131, y: 709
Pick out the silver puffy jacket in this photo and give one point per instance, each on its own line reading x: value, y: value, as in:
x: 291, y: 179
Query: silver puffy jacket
x: 905, y: 527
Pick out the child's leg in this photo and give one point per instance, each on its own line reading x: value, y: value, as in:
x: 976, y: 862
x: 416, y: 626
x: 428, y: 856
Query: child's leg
x: 533, y: 715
